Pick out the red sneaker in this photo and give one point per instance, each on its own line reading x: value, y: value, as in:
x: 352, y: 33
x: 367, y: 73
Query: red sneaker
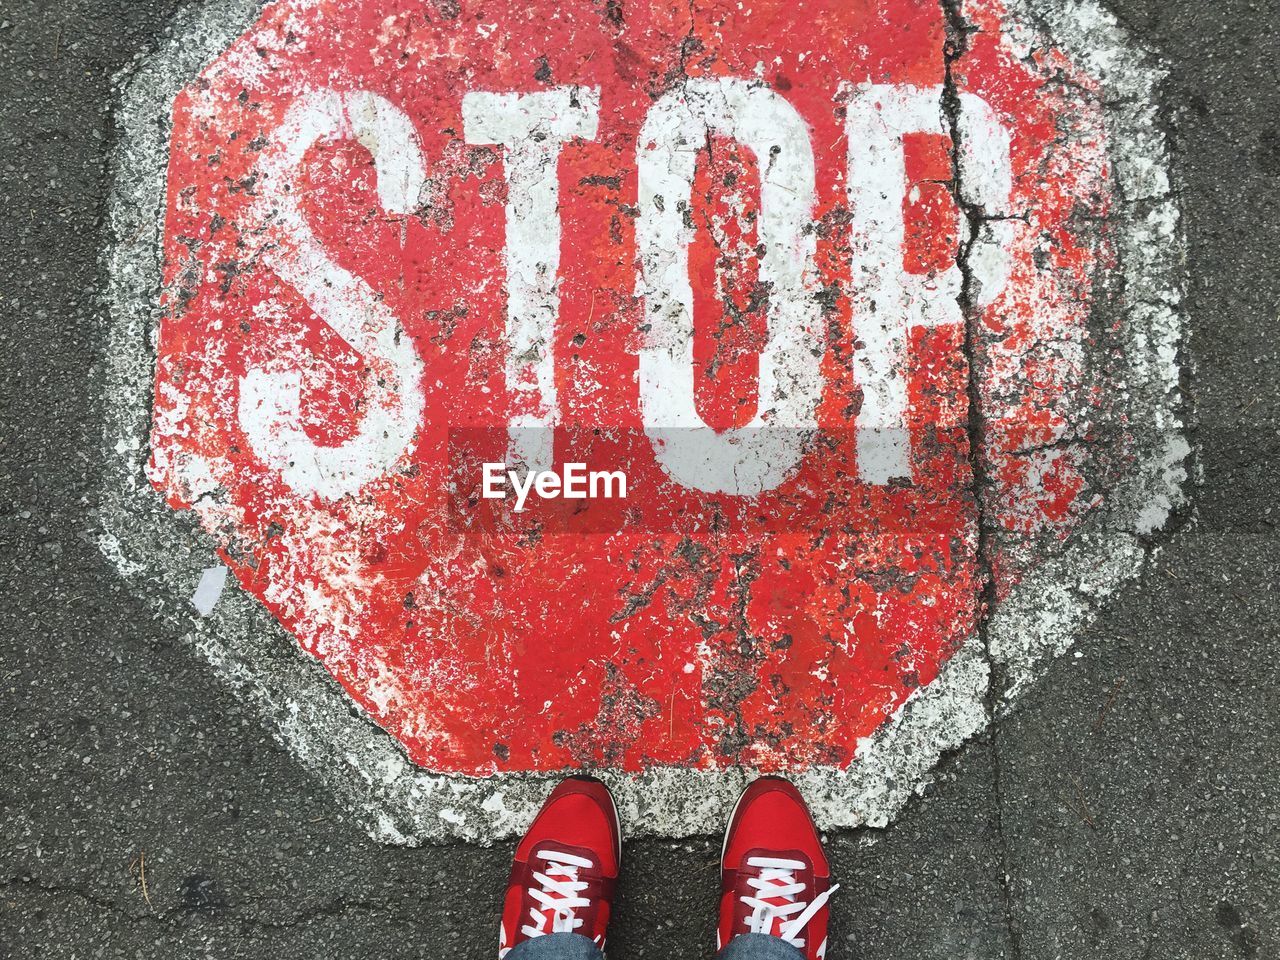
x: 774, y: 875
x: 565, y: 867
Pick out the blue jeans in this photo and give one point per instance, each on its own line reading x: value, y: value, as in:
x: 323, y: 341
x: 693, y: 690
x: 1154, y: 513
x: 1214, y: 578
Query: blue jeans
x: 574, y: 946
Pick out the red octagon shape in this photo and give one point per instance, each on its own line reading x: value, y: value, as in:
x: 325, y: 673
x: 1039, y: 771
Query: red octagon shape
x: 405, y: 239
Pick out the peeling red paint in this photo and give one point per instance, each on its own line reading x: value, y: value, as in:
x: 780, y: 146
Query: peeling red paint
x: 678, y: 627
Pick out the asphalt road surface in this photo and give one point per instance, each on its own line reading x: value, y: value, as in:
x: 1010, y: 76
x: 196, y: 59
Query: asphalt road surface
x: 1129, y: 809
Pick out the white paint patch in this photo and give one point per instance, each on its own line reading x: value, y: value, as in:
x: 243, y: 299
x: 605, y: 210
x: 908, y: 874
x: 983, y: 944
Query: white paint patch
x: 209, y: 589
x: 111, y: 549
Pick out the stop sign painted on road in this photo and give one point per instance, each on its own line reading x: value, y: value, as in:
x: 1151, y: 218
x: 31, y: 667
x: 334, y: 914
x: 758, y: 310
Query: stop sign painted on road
x: 873, y: 305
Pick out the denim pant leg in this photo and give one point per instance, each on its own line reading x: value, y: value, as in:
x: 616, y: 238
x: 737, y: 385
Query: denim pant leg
x: 759, y: 946
x: 574, y: 946
x: 556, y: 946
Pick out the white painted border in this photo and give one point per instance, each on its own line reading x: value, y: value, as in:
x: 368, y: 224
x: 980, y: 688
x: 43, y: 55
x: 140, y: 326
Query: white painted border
x: 399, y: 803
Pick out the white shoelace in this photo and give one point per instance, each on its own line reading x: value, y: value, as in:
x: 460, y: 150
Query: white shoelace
x: 558, y: 894
x: 777, y: 881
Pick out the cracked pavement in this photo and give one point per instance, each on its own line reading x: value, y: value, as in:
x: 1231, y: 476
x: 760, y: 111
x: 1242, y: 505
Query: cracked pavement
x: 1126, y: 809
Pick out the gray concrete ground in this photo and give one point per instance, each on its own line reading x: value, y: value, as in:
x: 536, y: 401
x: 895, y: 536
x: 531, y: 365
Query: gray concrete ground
x: 1128, y: 809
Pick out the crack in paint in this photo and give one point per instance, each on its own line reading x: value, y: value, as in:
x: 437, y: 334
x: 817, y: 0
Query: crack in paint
x: 958, y: 29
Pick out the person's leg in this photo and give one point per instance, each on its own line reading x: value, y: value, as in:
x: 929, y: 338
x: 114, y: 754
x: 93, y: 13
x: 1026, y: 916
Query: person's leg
x: 775, y: 879
x: 560, y: 895
x: 560, y: 946
x: 759, y: 946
